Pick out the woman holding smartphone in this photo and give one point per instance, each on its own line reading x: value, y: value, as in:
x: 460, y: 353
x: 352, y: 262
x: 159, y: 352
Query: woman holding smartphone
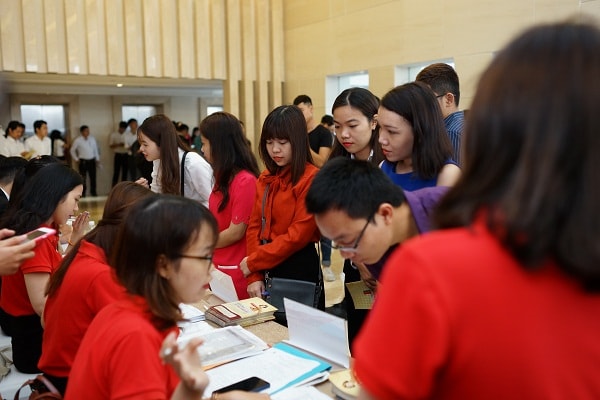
x: 46, y: 201
x: 130, y: 351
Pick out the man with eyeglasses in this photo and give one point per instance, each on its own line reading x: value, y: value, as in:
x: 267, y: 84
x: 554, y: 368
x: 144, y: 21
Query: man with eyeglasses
x: 443, y: 80
x: 367, y: 216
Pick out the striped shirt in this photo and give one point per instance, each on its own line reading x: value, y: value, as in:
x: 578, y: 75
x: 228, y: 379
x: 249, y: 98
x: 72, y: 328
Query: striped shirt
x: 454, y: 126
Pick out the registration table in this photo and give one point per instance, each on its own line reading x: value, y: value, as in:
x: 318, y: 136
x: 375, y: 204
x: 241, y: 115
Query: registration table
x: 271, y: 332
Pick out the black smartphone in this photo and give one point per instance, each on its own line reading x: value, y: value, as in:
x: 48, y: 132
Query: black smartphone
x: 252, y: 384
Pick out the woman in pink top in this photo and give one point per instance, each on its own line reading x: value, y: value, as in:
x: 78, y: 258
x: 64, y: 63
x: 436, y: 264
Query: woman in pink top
x: 235, y: 169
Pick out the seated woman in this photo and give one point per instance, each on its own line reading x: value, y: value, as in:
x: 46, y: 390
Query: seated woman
x: 129, y: 350
x: 83, y: 285
x: 47, y: 200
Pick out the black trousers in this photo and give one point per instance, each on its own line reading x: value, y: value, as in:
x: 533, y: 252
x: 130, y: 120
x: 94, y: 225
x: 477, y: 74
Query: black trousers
x: 355, y: 317
x: 26, y: 341
x: 121, y: 164
x: 88, y: 167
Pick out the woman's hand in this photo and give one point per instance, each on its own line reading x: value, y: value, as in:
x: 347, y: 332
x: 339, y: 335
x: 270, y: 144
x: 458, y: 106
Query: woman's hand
x: 143, y: 182
x: 244, y: 267
x: 256, y: 289
x: 79, y: 226
x: 186, y: 363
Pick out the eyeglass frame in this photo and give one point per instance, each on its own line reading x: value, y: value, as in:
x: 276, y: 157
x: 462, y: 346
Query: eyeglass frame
x: 208, y: 258
x: 352, y: 249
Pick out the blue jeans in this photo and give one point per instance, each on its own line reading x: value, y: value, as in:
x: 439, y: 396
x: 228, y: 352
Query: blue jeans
x: 325, y: 249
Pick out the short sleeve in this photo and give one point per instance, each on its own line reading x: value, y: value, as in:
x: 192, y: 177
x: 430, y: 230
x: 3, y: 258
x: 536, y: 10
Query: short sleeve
x: 242, y: 195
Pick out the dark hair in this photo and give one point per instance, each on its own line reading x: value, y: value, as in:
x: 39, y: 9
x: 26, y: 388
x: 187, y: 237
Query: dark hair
x: 31, y: 168
x: 302, y: 99
x: 416, y: 103
x: 83, y: 128
x: 368, y: 104
x: 148, y: 235
x: 181, y: 127
x: 161, y: 131
x: 123, y: 125
x: 286, y: 123
x: 327, y: 120
x: 441, y: 78
x: 230, y: 153
x: 38, y: 124
x: 121, y: 197
x: 55, y: 134
x: 531, y: 159
x: 38, y: 200
x: 9, y: 166
x: 12, y: 125
x: 131, y: 120
x: 355, y: 187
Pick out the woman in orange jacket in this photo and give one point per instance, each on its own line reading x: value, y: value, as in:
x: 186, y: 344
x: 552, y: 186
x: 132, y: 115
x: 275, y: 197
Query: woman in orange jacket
x: 281, y: 234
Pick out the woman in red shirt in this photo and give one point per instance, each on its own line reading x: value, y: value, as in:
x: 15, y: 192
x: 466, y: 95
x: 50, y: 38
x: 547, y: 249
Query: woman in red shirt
x: 235, y: 170
x: 47, y: 200
x: 82, y: 285
x: 282, y: 241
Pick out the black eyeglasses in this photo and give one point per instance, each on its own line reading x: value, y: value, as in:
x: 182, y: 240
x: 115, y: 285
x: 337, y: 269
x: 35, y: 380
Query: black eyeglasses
x: 208, y: 258
x: 352, y: 249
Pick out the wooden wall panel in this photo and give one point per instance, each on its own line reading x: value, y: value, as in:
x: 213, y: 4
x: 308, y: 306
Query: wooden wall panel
x: 218, y: 42
x: 152, y: 38
x: 56, y: 46
x: 11, y: 36
x: 76, y: 37
x: 34, y: 36
x: 96, y: 37
x: 202, y: 38
x: 277, y: 52
x: 115, y: 38
x: 134, y: 37
x: 185, y: 39
x: 169, y: 32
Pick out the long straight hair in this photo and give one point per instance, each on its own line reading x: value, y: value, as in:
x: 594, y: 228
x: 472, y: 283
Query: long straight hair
x: 230, y: 152
x: 531, y: 151
x: 161, y: 131
x: 287, y: 123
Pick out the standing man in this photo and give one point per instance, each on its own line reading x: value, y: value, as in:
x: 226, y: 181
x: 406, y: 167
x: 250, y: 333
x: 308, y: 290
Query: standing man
x: 116, y: 141
x: 39, y: 144
x: 319, y: 137
x: 443, y: 80
x: 320, y: 141
x: 85, y: 152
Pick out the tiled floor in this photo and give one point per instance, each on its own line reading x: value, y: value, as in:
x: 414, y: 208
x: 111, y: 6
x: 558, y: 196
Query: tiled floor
x: 334, y: 291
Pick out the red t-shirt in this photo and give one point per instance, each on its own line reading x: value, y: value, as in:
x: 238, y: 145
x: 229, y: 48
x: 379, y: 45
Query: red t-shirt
x: 242, y: 191
x: 88, y: 286
x: 14, y: 298
x: 457, y: 317
x: 118, y: 357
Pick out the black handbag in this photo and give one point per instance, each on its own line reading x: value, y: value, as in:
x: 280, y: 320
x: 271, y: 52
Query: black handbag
x: 276, y: 288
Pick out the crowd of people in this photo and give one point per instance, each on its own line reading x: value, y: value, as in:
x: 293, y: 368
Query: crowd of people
x: 479, y: 235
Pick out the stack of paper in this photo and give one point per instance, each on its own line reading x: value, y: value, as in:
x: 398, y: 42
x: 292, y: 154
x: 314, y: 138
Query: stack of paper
x: 242, y: 312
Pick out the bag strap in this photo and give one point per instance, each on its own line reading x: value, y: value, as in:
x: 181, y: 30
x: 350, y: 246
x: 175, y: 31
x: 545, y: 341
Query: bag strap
x: 183, y: 170
x: 263, y: 219
x: 35, y: 383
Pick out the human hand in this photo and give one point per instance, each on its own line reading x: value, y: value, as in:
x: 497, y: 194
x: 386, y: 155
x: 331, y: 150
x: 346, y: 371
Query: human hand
x: 79, y: 226
x: 13, y: 251
x: 256, y: 289
x: 244, y: 267
x: 366, y: 276
x: 143, y: 182
x: 186, y: 362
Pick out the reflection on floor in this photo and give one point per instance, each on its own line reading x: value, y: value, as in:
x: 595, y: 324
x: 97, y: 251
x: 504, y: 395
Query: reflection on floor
x: 334, y: 291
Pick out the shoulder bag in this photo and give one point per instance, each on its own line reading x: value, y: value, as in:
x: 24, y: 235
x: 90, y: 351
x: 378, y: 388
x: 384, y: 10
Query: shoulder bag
x: 41, y: 389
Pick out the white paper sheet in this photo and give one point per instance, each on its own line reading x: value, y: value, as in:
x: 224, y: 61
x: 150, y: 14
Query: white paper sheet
x: 222, y: 286
x: 318, y: 332
x: 300, y: 393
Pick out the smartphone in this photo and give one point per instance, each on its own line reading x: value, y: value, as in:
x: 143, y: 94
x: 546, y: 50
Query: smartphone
x: 252, y: 384
x: 40, y: 233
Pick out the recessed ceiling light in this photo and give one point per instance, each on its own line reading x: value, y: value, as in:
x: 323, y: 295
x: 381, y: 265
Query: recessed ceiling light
x: 119, y: 85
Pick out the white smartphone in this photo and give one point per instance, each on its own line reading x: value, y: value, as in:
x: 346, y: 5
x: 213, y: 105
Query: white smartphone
x: 40, y: 233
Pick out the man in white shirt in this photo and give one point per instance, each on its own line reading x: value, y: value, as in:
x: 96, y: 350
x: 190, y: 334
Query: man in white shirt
x: 39, y: 144
x: 12, y: 146
x: 84, y: 151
